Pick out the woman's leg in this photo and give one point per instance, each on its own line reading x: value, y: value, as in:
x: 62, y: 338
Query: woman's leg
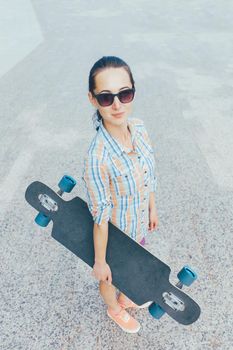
x: 108, y: 293
x: 123, y: 297
x: 115, y: 311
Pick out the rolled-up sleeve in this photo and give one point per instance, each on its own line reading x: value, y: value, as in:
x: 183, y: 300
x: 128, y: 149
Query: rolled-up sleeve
x: 153, y: 177
x: 153, y: 187
x: 96, y: 180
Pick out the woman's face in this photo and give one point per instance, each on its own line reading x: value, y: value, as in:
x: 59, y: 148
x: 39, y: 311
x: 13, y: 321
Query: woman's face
x: 112, y: 80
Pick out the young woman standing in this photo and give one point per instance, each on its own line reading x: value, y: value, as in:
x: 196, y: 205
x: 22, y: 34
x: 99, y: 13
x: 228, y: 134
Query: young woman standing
x: 119, y: 175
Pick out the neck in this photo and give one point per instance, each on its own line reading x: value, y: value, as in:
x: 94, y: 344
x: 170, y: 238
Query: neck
x: 121, y: 132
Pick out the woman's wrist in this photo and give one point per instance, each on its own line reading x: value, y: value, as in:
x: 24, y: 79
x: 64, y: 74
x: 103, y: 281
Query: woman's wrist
x: 100, y: 261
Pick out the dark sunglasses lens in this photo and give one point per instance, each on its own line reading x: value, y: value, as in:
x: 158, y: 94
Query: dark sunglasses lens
x: 105, y: 99
x: 126, y: 96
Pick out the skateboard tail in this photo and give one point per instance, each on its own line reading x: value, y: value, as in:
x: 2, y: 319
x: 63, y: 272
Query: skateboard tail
x: 178, y: 305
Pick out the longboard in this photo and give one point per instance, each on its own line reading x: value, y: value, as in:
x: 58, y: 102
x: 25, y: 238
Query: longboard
x: 135, y: 271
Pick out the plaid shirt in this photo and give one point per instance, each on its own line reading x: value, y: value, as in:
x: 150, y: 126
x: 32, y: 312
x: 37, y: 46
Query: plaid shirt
x: 118, y: 181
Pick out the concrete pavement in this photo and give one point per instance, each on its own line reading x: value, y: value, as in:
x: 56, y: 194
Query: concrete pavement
x: 180, y: 54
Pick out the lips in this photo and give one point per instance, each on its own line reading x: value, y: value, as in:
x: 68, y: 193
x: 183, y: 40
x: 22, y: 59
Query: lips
x: 118, y: 115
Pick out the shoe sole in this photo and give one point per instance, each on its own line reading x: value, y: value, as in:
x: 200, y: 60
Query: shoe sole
x: 145, y: 305
x: 124, y: 329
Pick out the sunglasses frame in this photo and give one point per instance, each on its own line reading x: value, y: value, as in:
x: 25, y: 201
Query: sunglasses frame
x: 113, y: 96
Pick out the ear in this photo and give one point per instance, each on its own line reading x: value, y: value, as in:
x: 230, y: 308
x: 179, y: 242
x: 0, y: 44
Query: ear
x: 92, y: 99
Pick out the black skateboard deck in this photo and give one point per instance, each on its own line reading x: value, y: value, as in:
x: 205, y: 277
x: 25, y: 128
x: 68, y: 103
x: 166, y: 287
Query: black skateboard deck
x: 135, y: 271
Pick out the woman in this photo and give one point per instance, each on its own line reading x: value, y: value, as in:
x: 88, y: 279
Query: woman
x: 118, y: 175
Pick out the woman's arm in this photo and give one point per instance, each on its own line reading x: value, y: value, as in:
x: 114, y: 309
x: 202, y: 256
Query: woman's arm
x: 100, y: 237
x: 153, y: 216
x: 152, y: 200
x: 101, y: 269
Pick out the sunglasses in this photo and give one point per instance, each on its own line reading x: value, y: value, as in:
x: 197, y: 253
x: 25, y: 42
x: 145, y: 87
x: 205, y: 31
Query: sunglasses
x: 106, y: 99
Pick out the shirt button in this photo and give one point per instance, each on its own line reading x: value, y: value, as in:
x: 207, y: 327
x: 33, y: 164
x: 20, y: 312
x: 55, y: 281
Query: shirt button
x: 146, y: 185
x: 145, y: 171
x: 139, y: 157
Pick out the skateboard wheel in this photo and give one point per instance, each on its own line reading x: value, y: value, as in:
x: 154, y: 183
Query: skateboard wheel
x: 156, y: 311
x: 42, y: 220
x: 67, y: 183
x: 187, y: 276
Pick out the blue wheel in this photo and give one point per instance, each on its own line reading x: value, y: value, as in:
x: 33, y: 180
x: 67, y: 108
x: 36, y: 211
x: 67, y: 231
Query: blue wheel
x: 187, y: 276
x: 156, y: 311
x: 42, y: 220
x: 67, y: 183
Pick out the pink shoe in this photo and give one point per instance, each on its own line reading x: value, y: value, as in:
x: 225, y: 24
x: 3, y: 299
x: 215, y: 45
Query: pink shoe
x: 124, y: 320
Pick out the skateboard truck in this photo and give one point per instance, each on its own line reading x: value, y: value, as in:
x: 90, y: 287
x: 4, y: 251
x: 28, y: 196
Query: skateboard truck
x: 66, y: 184
x: 186, y: 277
x: 173, y: 301
x: 48, y: 202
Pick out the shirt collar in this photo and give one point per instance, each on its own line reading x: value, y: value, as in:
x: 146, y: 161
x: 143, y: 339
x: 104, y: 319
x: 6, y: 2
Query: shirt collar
x: 113, y: 146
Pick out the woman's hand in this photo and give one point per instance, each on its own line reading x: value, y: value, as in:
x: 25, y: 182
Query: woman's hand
x: 153, y: 219
x: 101, y: 271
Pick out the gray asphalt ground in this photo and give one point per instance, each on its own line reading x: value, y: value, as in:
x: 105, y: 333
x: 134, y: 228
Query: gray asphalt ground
x: 181, y: 55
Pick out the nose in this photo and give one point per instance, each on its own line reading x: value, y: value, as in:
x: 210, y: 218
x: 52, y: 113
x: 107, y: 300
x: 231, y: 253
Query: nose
x: 116, y: 103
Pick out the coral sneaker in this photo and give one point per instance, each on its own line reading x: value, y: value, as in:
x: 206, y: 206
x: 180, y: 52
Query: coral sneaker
x: 124, y: 320
x: 125, y: 303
